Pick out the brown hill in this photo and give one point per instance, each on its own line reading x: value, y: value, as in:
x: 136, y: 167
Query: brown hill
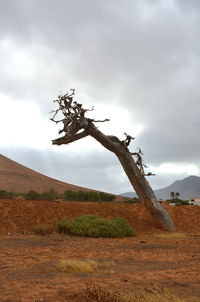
x: 18, y: 178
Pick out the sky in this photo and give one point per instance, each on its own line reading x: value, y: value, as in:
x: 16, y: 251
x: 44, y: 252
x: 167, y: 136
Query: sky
x: 136, y: 61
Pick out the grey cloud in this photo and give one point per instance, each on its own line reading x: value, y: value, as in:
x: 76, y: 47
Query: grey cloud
x: 185, y: 5
x: 108, y: 47
x: 143, y: 56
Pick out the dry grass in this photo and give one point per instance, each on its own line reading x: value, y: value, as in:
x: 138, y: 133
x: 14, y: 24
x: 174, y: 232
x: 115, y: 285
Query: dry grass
x: 175, y: 235
x: 157, y: 295
x: 101, y: 294
x: 84, y: 266
x: 104, y: 294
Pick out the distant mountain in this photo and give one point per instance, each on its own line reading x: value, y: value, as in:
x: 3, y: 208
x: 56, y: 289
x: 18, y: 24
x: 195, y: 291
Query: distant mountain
x: 17, y: 178
x: 188, y: 187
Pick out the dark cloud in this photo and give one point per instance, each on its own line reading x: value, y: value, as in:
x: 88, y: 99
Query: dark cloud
x: 139, y: 55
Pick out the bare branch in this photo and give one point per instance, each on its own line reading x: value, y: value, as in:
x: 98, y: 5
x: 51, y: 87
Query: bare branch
x: 139, y: 161
x: 74, y: 114
x: 101, y: 121
x: 69, y: 139
x: 149, y: 174
x: 127, y: 141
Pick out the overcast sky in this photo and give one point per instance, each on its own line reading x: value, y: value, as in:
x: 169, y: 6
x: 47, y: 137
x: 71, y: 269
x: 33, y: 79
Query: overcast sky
x: 136, y: 61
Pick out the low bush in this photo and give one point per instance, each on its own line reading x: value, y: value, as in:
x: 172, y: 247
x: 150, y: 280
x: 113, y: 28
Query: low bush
x: 92, y: 226
x: 182, y: 203
x: 106, y: 197
x: 50, y: 195
x: 178, y: 202
x: 6, y: 195
x: 32, y: 195
x: 87, y: 196
x: 64, y: 226
x: 132, y: 201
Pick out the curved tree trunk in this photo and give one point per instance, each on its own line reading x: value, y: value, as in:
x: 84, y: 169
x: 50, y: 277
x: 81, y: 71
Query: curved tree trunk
x: 136, y: 178
x: 74, y: 121
x: 144, y: 191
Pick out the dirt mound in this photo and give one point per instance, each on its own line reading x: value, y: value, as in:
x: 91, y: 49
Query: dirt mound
x: 19, y: 216
x: 185, y: 218
x: 17, y: 178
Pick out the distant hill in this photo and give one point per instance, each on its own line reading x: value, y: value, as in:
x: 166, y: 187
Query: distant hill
x: 17, y: 178
x: 187, y: 187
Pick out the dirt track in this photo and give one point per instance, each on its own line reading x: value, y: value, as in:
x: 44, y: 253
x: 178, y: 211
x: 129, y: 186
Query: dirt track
x: 150, y: 259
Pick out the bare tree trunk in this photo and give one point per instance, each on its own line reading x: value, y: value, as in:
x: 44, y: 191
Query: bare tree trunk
x: 137, y: 179
x: 75, y: 121
x: 144, y: 191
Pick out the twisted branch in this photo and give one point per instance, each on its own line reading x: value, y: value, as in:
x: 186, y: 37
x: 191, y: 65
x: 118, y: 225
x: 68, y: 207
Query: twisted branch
x: 140, y: 162
x: 73, y: 117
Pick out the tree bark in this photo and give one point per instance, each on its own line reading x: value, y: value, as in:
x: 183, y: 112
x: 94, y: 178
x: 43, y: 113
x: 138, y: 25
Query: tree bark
x: 144, y: 191
x: 136, y: 178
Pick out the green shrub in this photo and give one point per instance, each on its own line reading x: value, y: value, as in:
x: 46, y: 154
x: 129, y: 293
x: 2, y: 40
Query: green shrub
x: 69, y: 195
x: 94, y: 196
x: 181, y: 203
x: 10, y: 195
x: 106, y: 197
x: 6, y: 195
x: 82, y: 224
x: 92, y: 226
x: 3, y: 194
x: 64, y: 226
x: 178, y: 201
x: 132, y: 201
x: 32, y: 195
x: 117, y: 227
x: 50, y: 195
x: 87, y: 196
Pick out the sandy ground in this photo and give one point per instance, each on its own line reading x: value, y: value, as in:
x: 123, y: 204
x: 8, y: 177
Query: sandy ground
x: 151, y: 259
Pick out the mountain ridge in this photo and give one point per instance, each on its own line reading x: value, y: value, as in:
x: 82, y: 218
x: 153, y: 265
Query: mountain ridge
x: 18, y: 178
x: 188, y: 187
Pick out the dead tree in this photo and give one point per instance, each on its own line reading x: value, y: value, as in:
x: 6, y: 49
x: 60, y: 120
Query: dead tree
x: 76, y: 126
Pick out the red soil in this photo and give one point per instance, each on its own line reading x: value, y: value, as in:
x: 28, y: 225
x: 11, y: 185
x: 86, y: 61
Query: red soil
x: 147, y: 260
x: 18, y: 216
